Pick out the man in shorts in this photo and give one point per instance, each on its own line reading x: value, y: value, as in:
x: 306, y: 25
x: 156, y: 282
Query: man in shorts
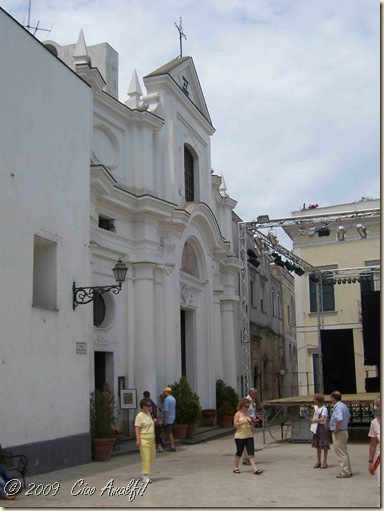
x: 169, y: 413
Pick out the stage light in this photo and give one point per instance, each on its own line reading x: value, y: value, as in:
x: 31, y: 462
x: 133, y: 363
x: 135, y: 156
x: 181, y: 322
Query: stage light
x: 252, y: 259
x: 278, y: 260
x: 340, y: 233
x: 272, y: 237
x: 324, y: 231
x: 290, y: 266
x: 312, y: 231
x: 361, y: 230
x: 313, y: 277
x: 299, y: 271
x: 258, y: 241
x: 349, y: 280
x: 263, y: 219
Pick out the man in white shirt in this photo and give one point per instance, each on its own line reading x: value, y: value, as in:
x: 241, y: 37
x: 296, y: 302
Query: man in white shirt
x: 252, y: 413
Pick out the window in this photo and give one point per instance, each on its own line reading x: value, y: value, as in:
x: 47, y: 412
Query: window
x: 273, y: 303
x: 262, y: 291
x: 189, y: 180
x: 98, y: 310
x: 328, y: 296
x: 44, y: 273
x: 279, y: 306
x: 107, y: 223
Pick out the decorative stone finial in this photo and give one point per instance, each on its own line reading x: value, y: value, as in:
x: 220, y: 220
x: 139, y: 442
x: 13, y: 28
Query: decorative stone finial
x: 80, y: 54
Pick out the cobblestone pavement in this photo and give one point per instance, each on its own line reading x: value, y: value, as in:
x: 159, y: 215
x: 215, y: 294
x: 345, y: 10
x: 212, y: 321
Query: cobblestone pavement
x: 201, y: 476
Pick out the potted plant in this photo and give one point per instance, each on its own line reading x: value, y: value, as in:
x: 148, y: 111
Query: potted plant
x: 103, y: 416
x: 188, y: 410
x: 209, y: 415
x: 226, y: 413
x: 225, y: 392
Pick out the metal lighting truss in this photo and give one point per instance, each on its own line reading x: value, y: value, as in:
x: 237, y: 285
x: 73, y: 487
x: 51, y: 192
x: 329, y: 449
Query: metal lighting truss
x: 322, y: 277
x: 322, y: 218
x: 246, y: 230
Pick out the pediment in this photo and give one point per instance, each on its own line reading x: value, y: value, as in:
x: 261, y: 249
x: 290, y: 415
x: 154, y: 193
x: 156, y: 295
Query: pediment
x: 183, y: 73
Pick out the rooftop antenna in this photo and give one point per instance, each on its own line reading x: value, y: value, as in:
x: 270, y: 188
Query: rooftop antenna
x: 36, y: 28
x: 181, y: 35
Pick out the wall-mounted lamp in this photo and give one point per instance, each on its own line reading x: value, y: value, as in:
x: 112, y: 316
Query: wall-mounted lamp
x: 272, y: 237
x: 83, y: 295
x: 340, y: 233
x: 361, y: 230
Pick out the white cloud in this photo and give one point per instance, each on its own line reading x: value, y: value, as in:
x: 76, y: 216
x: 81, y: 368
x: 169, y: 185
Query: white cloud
x: 292, y: 86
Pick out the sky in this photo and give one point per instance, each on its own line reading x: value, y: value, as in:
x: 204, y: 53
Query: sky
x: 292, y: 86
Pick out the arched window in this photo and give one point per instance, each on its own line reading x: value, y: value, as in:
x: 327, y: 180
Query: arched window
x: 98, y: 310
x: 189, y: 180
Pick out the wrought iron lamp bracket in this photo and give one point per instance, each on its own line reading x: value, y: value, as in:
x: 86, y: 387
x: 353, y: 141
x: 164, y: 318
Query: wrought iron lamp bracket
x: 82, y: 295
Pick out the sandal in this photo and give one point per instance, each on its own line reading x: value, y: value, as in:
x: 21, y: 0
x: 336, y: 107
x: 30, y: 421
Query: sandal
x: 236, y: 471
x: 317, y: 465
x: 258, y: 471
x: 324, y: 465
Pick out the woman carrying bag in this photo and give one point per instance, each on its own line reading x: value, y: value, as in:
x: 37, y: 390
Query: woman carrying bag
x: 320, y: 440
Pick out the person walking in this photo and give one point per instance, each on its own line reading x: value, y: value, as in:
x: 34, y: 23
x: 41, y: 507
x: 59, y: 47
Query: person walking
x: 169, y: 414
x: 254, y: 416
x: 155, y: 415
x: 374, y: 443
x: 320, y: 439
x: 244, y: 436
x: 339, y: 427
x: 145, y: 438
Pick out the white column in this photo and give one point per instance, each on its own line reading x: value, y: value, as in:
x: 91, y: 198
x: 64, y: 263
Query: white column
x: 228, y: 342
x: 145, y: 328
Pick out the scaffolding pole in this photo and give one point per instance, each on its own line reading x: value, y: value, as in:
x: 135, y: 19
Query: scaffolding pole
x: 245, y: 332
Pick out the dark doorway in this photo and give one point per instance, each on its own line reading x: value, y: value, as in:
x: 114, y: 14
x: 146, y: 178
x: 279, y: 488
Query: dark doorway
x: 338, y: 361
x: 183, y: 344
x: 370, y: 307
x: 99, y: 369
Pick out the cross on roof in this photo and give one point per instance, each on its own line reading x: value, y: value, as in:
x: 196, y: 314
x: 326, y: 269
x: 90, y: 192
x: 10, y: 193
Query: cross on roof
x: 181, y: 35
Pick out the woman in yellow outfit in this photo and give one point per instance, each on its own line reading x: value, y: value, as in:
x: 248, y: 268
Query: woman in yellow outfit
x: 244, y: 436
x: 145, y: 438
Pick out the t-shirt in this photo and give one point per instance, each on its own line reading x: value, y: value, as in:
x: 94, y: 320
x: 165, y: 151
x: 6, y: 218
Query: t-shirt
x: 169, y: 406
x: 244, y: 430
x: 320, y: 412
x: 374, y: 432
x: 145, y: 423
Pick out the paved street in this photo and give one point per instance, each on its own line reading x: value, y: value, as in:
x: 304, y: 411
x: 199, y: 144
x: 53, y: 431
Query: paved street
x: 201, y: 476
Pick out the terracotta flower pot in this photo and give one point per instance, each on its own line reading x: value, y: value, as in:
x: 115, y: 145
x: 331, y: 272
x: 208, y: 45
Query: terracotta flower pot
x: 102, y: 448
x: 226, y: 421
x: 179, y: 431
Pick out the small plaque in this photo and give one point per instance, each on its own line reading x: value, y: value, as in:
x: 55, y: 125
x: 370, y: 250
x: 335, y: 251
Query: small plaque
x: 81, y: 347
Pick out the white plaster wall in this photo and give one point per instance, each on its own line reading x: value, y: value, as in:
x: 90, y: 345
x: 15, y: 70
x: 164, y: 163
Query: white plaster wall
x: 44, y: 147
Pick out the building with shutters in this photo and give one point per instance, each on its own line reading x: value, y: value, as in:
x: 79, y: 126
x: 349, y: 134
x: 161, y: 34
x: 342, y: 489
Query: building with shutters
x: 350, y: 334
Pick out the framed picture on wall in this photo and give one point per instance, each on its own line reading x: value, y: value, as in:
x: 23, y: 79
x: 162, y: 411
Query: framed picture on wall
x: 128, y: 399
x: 120, y: 383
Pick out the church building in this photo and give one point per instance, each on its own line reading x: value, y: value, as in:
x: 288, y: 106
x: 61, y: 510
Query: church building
x: 88, y: 180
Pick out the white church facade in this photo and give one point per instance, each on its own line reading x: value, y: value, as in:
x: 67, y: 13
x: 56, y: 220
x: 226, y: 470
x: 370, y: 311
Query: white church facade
x: 88, y: 180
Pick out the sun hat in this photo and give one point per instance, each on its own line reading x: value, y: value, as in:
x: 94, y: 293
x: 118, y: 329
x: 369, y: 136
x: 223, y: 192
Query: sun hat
x: 167, y: 389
